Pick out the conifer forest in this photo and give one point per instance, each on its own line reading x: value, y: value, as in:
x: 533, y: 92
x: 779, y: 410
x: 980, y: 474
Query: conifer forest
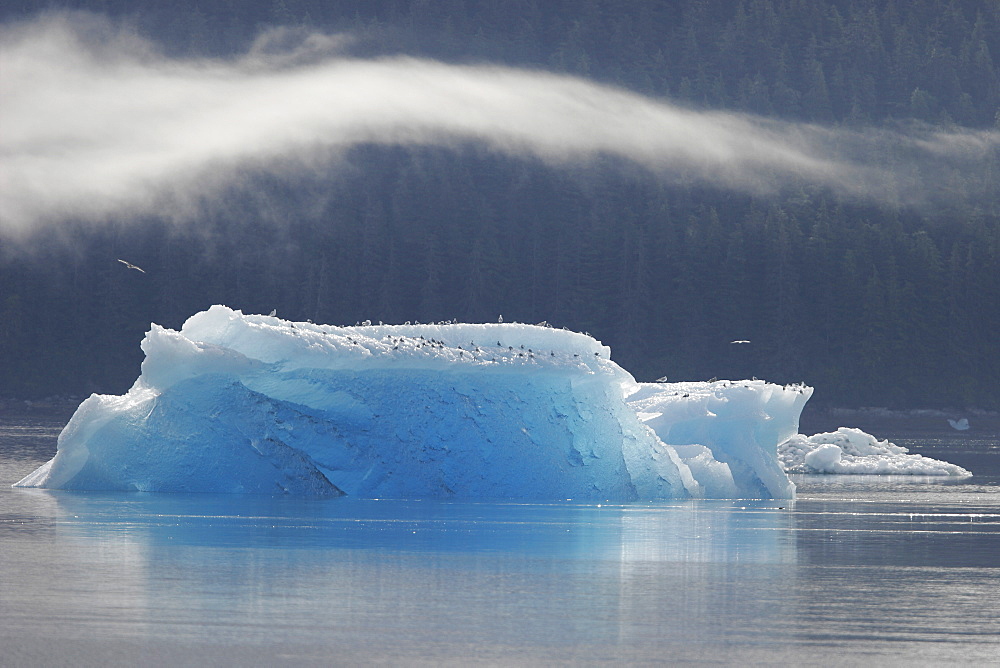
x: 873, y: 303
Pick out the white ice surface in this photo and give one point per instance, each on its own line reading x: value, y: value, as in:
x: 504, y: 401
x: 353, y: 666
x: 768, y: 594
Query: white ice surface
x: 852, y: 451
x: 256, y: 404
x: 726, y: 431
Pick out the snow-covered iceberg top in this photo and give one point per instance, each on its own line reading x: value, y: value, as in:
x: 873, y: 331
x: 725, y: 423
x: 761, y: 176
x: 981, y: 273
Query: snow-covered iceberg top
x: 726, y: 431
x: 852, y: 451
x: 256, y: 404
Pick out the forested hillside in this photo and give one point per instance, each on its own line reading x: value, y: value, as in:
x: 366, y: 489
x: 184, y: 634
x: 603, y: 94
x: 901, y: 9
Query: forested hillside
x: 873, y: 304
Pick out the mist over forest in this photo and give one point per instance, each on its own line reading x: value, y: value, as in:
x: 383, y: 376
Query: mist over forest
x: 818, y: 177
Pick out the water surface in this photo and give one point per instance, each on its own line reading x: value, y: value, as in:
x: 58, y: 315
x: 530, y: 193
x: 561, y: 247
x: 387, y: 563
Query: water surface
x: 888, y: 569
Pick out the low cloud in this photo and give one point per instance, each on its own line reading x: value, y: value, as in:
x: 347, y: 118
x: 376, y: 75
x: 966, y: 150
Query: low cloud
x: 95, y: 123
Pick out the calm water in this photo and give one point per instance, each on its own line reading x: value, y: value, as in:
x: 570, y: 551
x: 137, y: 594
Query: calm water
x: 889, y: 570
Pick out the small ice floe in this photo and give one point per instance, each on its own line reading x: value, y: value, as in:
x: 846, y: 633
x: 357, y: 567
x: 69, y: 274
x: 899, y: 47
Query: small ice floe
x: 852, y: 451
x: 960, y: 425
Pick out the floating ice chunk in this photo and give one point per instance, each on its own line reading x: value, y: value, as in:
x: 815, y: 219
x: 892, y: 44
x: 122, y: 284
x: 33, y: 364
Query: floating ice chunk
x: 739, y: 423
x: 825, y: 457
x: 960, y: 424
x: 256, y: 404
x: 241, y: 403
x: 853, y: 451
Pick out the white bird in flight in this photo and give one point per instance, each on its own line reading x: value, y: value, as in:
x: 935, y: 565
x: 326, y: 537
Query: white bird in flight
x: 131, y: 266
x: 741, y: 341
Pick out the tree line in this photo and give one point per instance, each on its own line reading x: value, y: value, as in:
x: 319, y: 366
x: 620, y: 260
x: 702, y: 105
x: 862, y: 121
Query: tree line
x: 873, y: 305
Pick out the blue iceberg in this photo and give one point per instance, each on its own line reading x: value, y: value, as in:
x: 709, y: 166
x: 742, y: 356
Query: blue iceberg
x: 236, y: 403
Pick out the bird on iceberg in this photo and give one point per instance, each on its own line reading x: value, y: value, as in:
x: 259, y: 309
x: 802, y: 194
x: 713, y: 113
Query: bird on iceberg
x: 960, y: 425
x: 132, y: 266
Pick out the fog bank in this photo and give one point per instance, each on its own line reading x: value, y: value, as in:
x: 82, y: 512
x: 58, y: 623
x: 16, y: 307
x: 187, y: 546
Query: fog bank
x: 94, y: 122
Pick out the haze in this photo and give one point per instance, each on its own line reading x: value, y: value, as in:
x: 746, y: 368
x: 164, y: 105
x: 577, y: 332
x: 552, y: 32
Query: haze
x: 95, y: 122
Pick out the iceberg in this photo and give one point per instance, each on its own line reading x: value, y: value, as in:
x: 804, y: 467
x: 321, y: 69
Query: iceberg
x: 241, y: 403
x: 726, y: 431
x: 852, y: 451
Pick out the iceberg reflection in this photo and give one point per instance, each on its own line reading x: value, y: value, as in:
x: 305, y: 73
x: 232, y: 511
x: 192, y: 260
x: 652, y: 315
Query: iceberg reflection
x: 689, y: 531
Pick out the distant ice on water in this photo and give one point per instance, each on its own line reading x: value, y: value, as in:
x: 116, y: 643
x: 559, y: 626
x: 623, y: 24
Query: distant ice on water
x: 852, y: 451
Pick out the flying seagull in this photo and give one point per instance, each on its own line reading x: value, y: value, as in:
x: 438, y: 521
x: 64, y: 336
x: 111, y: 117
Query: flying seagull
x: 132, y: 266
x: 741, y: 341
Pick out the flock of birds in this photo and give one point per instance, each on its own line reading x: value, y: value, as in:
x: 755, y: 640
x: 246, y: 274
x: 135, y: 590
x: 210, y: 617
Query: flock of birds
x: 488, y: 354
x: 506, y: 352
x: 475, y: 351
x: 799, y: 388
